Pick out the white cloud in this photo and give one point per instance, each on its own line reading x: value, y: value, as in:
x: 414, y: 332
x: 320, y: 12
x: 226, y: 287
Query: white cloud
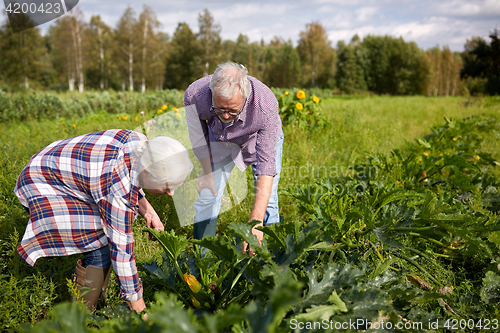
x: 364, y: 14
x: 427, y: 22
x: 462, y: 8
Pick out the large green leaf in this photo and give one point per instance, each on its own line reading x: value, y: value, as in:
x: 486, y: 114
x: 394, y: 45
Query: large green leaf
x: 171, y: 243
x: 168, y: 315
x: 65, y: 317
x: 324, y: 312
x: 267, y: 316
x: 245, y: 232
x: 166, y: 273
x: 221, y: 247
x: 490, y: 292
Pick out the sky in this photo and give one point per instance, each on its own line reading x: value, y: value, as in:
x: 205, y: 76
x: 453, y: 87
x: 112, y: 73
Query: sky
x: 428, y: 23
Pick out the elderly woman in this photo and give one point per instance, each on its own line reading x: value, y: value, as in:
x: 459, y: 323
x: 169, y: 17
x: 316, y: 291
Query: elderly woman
x: 83, y: 194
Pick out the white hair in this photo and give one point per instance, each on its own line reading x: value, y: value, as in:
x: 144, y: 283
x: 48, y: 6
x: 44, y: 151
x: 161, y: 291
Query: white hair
x: 166, y: 161
x: 228, y: 79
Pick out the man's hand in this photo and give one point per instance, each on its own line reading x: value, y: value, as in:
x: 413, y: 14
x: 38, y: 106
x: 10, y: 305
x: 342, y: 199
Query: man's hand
x: 262, y: 193
x: 206, y: 181
x: 259, y: 234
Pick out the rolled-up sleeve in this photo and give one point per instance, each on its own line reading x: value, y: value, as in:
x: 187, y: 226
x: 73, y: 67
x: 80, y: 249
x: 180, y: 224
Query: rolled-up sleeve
x: 117, y: 217
x: 198, y: 128
x: 198, y: 132
x: 267, y: 138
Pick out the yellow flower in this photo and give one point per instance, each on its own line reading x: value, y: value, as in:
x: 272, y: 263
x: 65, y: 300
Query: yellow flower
x: 193, y: 284
x: 315, y: 99
x: 125, y: 118
x: 119, y: 118
x: 175, y: 109
x: 177, y: 114
x: 74, y: 126
x: 281, y: 96
x: 160, y: 111
x: 196, y: 303
x: 476, y: 158
x: 286, y: 93
x: 301, y: 94
x: 163, y: 107
x: 136, y: 118
x: 299, y: 106
x: 426, y: 153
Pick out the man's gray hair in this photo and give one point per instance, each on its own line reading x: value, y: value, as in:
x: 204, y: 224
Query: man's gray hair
x: 228, y: 79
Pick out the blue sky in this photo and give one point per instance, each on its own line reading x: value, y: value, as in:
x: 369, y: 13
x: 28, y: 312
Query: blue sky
x: 428, y: 23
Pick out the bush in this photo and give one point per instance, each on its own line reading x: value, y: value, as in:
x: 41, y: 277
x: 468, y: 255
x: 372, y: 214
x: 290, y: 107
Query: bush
x: 47, y: 105
x: 299, y: 110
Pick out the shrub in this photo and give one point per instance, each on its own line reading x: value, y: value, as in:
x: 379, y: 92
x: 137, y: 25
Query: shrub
x: 300, y: 110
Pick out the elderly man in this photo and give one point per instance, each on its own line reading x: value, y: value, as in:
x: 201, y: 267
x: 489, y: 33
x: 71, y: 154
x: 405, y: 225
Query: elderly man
x: 233, y: 120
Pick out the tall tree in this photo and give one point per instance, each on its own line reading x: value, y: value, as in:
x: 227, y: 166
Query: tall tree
x: 482, y: 60
x: 185, y: 53
x: 20, y: 54
x: 128, y: 40
x: 69, y: 47
x: 316, y: 55
x: 159, y: 57
x: 100, y: 49
x: 152, y: 52
x: 282, y: 64
x: 395, y: 67
x: 444, y: 71
x: 349, y: 76
x: 210, y: 40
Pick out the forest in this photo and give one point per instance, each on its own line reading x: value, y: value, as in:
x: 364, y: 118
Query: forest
x: 77, y: 55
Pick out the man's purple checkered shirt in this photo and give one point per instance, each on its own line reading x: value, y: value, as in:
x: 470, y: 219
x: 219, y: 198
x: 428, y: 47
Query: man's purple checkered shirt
x: 250, y: 139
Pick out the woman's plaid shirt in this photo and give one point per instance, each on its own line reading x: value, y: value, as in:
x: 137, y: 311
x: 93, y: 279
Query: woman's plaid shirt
x: 82, y: 194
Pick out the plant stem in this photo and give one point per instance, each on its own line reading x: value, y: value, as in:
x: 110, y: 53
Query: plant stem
x: 420, y: 268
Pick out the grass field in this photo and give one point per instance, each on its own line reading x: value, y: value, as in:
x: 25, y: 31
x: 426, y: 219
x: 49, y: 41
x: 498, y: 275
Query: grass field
x: 358, y: 127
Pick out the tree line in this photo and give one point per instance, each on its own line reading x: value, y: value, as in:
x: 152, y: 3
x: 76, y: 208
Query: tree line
x: 136, y: 56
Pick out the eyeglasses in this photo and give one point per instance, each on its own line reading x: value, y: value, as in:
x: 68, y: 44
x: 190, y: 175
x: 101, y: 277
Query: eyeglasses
x: 232, y: 113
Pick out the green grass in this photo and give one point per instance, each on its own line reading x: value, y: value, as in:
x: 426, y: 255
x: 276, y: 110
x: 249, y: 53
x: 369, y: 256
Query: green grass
x: 358, y: 127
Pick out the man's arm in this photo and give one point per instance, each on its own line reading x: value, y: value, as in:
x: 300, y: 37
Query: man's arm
x: 262, y: 194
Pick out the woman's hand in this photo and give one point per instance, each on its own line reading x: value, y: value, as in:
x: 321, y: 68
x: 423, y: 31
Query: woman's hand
x: 149, y: 214
x: 138, y: 305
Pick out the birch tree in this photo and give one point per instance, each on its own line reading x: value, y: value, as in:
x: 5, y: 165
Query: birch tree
x: 127, y: 39
x: 445, y: 69
x: 69, y: 44
x: 210, y: 40
x: 152, y: 53
x: 77, y: 32
x: 100, y: 48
